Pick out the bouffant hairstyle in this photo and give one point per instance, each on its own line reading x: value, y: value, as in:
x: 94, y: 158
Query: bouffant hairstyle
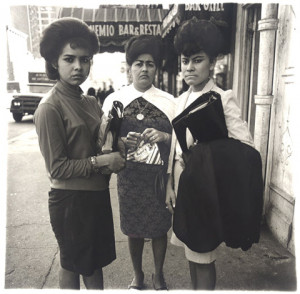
x: 144, y: 44
x: 195, y: 35
x: 61, y: 32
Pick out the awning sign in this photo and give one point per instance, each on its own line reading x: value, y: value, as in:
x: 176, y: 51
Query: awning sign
x: 205, y: 7
x: 179, y: 13
x: 125, y: 29
x: 115, y: 24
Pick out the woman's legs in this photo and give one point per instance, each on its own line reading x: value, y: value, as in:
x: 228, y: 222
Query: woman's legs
x: 136, y: 247
x: 68, y: 279
x: 159, y: 248
x: 95, y: 281
x: 203, y: 276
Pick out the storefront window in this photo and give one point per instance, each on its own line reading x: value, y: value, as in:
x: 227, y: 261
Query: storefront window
x: 246, y: 60
x: 222, y: 72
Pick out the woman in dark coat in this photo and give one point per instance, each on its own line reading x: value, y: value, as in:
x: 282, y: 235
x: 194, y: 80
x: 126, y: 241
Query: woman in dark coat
x: 199, y: 42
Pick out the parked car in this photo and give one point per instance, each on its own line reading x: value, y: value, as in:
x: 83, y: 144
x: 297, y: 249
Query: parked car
x: 26, y: 103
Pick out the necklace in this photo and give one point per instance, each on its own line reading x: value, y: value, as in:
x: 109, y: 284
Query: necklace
x: 140, y: 116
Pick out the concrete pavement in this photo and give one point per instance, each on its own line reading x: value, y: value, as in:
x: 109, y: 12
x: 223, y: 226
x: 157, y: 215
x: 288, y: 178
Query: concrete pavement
x: 266, y: 266
x: 32, y: 257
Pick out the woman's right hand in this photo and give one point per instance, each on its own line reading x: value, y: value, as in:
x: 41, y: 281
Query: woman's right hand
x: 170, y: 196
x: 110, y: 163
x: 132, y: 140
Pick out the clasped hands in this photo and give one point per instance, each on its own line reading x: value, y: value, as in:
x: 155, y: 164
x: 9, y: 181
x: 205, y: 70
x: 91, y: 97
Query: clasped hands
x: 112, y: 162
x: 150, y: 135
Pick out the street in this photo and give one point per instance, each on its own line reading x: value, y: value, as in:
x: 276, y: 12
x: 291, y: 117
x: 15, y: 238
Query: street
x: 16, y: 129
x: 32, y: 256
x: 30, y: 242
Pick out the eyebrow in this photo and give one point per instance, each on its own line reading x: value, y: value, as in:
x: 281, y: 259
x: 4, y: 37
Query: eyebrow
x: 144, y: 60
x: 71, y: 55
x: 188, y: 57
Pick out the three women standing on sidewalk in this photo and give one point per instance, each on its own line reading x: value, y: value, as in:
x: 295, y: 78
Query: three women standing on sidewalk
x: 146, y: 130
x: 67, y: 123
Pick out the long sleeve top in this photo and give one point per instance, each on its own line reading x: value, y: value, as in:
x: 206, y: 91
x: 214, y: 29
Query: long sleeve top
x: 67, y: 124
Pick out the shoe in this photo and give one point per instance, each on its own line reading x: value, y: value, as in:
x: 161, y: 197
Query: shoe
x: 136, y: 287
x: 133, y: 287
x: 163, y: 287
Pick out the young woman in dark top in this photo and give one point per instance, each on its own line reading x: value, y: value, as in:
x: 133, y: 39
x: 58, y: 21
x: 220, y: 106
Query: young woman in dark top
x: 67, y: 124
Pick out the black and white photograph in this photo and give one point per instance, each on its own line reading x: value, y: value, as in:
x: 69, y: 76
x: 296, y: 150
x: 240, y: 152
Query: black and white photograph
x: 149, y: 146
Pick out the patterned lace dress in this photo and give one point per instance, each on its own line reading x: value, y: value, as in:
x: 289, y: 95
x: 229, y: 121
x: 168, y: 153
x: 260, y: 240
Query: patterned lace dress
x: 143, y: 212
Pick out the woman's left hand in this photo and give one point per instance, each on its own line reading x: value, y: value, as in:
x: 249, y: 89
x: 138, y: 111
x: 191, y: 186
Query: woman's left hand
x: 151, y: 135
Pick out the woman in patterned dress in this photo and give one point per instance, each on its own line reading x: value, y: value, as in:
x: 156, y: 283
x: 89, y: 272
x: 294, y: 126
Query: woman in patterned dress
x: 146, y: 130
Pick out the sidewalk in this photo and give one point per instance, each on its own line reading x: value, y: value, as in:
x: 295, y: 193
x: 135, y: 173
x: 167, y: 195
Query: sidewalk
x: 266, y: 266
x: 32, y: 256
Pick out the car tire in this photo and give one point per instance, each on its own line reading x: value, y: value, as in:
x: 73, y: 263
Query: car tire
x: 17, y: 116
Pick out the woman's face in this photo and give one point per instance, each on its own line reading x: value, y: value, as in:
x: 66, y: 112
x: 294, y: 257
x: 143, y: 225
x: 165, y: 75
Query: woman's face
x: 196, y: 69
x: 74, y: 65
x: 143, y: 72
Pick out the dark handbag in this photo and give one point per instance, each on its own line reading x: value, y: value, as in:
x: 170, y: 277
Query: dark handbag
x: 108, y: 141
x: 204, y: 118
x: 115, y: 124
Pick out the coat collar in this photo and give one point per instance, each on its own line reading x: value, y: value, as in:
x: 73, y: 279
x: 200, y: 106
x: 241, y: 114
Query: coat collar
x: 160, y: 99
x: 184, y: 96
x: 180, y: 107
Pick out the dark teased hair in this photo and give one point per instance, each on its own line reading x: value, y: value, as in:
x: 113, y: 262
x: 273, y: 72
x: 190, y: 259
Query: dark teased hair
x: 144, y: 44
x: 58, y: 34
x: 194, y: 35
x: 91, y: 91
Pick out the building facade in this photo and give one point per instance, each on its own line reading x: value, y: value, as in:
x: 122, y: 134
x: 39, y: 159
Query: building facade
x: 31, y: 20
x: 264, y: 79
x: 23, y: 32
